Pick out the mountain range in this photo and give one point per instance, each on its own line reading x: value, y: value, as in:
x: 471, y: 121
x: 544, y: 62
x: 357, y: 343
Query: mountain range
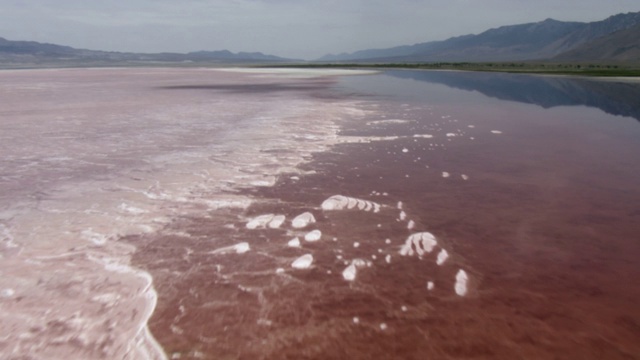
x: 615, y: 39
x: 545, y: 40
x: 34, y: 53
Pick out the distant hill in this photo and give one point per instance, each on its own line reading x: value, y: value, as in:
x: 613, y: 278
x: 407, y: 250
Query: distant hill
x: 620, y: 46
x: 532, y: 41
x: 31, y: 53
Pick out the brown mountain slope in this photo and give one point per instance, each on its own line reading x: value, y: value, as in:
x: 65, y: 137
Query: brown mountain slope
x: 623, y: 46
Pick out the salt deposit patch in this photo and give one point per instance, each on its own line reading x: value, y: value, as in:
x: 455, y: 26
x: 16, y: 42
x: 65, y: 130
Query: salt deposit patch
x: 294, y: 242
x: 349, y: 273
x: 314, y: 235
x: 240, y: 248
x: 430, y: 285
x: 388, y: 121
x: 419, y: 243
x: 445, y: 174
x: 443, y: 255
x: 461, y: 283
x: 277, y: 221
x: 411, y: 224
x: 260, y: 221
x: 496, y: 132
x: 464, y: 177
x: 425, y: 136
x: 303, y: 220
x: 340, y: 202
x: 303, y: 262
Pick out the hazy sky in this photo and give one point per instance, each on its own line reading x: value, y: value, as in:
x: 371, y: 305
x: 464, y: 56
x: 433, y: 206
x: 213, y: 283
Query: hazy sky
x: 291, y: 28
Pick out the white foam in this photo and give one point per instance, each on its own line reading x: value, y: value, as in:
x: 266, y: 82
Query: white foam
x: 496, y: 132
x: 277, y: 221
x: 422, y: 242
x: 349, y: 273
x: 443, y: 255
x: 303, y: 262
x: 430, y: 285
x: 260, y: 221
x: 295, y: 242
x: 445, y: 174
x: 314, y: 235
x: 303, y: 220
x: 461, y: 283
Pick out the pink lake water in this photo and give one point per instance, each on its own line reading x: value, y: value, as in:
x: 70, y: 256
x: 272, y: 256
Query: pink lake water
x: 149, y: 213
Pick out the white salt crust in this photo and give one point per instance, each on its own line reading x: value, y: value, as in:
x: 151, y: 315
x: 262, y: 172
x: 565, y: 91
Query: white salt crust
x: 268, y: 220
x: 303, y: 220
x: 314, y: 235
x: 430, y: 285
x: 240, y: 248
x: 340, y: 202
x: 422, y: 243
x: 443, y: 255
x: 349, y: 273
x: 295, y: 242
x: 461, y: 283
x: 303, y: 262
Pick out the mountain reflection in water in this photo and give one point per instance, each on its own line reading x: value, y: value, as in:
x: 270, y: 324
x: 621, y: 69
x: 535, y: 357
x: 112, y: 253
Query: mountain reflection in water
x: 616, y: 98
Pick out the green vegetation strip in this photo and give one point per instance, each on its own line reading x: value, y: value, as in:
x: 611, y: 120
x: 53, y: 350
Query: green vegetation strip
x: 533, y: 68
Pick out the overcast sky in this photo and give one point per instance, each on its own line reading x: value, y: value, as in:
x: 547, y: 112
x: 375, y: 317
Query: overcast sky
x: 304, y: 29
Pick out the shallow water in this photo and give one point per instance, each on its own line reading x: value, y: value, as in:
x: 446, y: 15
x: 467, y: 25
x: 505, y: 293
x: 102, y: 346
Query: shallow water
x: 479, y: 215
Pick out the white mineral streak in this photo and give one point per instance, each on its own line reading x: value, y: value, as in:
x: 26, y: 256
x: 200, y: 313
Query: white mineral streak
x: 314, y: 235
x: 443, y: 255
x: 419, y: 243
x: 340, y: 202
x: 425, y: 136
x: 303, y: 262
x: 303, y: 220
x: 461, y: 283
